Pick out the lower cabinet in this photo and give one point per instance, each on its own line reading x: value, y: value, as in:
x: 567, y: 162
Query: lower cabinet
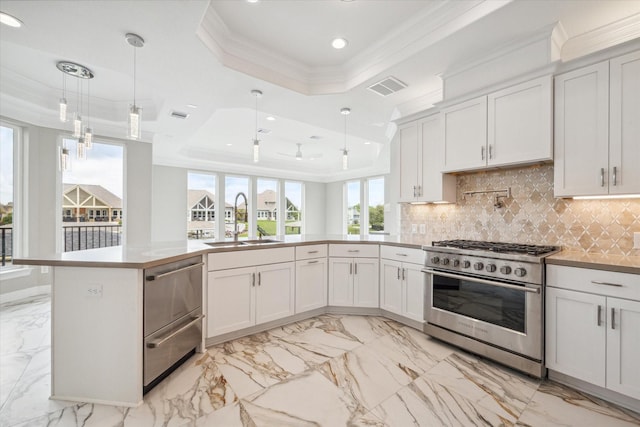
x: 311, y: 284
x: 592, y: 324
x: 402, y: 289
x: 353, y: 282
x: 242, y: 297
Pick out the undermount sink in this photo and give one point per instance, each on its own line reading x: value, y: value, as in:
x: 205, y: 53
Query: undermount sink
x: 243, y: 243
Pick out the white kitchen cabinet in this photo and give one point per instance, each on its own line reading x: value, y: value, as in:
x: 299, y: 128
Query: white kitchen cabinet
x: 260, y: 287
x: 508, y: 127
x: 311, y: 277
x: 402, y: 281
x: 592, y: 324
x: 353, y: 281
x: 421, y: 160
x: 597, y: 129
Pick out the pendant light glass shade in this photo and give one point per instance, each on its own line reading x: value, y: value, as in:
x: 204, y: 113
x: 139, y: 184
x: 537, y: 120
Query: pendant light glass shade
x: 63, y: 110
x: 345, y: 153
x: 88, y: 138
x: 135, y: 132
x: 345, y: 160
x: 256, y: 151
x: 65, y: 161
x: 256, y: 142
x: 77, y: 126
x: 81, y: 152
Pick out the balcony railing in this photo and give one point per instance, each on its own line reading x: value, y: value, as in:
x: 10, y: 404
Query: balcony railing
x: 6, y: 244
x: 78, y: 237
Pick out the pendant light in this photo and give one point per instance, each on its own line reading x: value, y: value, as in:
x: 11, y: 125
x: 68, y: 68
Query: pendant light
x: 63, y: 100
x: 256, y: 142
x: 88, y: 132
x: 345, y: 153
x: 77, y: 120
x: 135, y: 112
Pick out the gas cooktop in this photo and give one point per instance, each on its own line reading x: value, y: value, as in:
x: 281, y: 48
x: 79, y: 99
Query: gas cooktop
x: 500, y: 247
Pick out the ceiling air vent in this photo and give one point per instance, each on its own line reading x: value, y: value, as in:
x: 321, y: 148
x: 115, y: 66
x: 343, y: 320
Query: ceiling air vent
x: 179, y: 115
x: 387, y: 86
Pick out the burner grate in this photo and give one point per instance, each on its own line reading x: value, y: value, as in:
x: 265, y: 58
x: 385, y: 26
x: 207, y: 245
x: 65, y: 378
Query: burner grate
x: 535, y: 250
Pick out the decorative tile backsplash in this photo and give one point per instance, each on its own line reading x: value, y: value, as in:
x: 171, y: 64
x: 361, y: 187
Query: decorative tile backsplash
x: 532, y: 215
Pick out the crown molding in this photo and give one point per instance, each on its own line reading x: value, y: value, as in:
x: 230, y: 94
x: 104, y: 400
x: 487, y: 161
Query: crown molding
x: 601, y: 38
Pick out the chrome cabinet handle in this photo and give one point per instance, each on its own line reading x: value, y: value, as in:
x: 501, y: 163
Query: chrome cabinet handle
x: 351, y: 268
x: 401, y: 254
x: 597, y: 282
x: 615, y: 175
x: 355, y: 268
x: 169, y: 273
x: 259, y: 279
x: 482, y: 152
x: 312, y: 252
x: 158, y: 342
x: 601, y: 177
x: 613, y: 318
x: 312, y: 262
x: 491, y: 151
x: 599, y: 315
x: 253, y: 279
x: 353, y: 250
x: 398, y: 273
x: 403, y: 271
x: 414, y: 191
x: 419, y: 190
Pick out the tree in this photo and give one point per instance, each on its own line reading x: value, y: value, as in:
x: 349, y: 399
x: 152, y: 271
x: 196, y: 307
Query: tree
x: 376, y: 217
x: 7, y: 219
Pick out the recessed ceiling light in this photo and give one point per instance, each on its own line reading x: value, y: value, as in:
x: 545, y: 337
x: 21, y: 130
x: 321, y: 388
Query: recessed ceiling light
x: 271, y: 118
x: 252, y: 1
x: 339, y: 43
x: 192, y: 106
x: 367, y: 142
x: 229, y: 144
x: 9, y: 20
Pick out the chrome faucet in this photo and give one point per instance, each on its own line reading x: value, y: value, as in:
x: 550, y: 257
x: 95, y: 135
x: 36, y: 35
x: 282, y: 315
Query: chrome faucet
x: 235, y: 213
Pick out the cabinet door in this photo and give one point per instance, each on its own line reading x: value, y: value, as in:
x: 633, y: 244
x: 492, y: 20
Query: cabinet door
x: 409, y: 162
x: 465, y: 135
x: 275, y: 292
x: 434, y: 185
x: 413, y: 306
x: 341, y: 281
x: 230, y: 300
x: 311, y: 284
x: 624, y: 142
x: 623, y: 346
x: 366, y: 274
x: 391, y: 286
x: 519, y: 123
x: 582, y: 131
x: 575, y: 336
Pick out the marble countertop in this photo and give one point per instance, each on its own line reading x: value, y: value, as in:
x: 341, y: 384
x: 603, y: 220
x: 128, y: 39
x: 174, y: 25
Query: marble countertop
x: 616, y: 263
x: 159, y: 253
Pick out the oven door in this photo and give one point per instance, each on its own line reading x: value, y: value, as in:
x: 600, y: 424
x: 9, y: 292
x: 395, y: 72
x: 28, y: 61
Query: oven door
x: 503, y: 314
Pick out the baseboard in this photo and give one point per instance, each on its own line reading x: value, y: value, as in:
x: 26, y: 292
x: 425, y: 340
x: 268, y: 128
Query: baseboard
x: 25, y: 293
x: 602, y: 393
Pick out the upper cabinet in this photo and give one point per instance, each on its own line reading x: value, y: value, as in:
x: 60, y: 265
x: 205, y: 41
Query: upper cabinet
x: 421, y: 160
x: 509, y: 127
x: 597, y: 129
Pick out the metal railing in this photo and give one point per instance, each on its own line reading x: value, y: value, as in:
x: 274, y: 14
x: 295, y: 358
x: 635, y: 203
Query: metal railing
x: 6, y: 244
x: 78, y: 237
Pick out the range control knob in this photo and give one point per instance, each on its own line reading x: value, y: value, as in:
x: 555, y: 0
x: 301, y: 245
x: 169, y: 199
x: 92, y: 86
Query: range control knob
x: 466, y: 264
x: 505, y: 269
x: 490, y: 268
x: 520, y: 272
x: 444, y: 261
x: 478, y: 266
x: 456, y: 262
x: 435, y: 260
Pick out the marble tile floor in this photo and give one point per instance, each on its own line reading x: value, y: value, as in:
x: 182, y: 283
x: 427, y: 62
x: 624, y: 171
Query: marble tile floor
x: 327, y: 371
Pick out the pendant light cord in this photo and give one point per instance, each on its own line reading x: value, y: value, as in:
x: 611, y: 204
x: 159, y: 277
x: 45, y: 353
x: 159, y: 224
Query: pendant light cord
x: 256, y: 132
x: 345, y: 132
x: 134, y: 76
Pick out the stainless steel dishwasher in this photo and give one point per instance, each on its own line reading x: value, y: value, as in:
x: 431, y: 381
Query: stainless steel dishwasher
x: 172, y: 317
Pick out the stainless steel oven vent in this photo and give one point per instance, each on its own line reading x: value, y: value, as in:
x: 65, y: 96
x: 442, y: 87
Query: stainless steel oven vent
x: 387, y: 86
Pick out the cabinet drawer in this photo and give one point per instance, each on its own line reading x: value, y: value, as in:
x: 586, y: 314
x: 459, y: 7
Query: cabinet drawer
x: 398, y: 253
x: 311, y: 251
x: 246, y: 258
x: 362, y: 250
x: 594, y: 281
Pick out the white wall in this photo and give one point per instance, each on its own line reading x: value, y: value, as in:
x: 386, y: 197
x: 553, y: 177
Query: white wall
x: 169, y: 204
x: 334, y: 213
x: 314, y: 207
x: 137, y: 195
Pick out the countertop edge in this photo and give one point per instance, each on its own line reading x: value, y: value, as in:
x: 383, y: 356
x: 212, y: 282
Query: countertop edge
x: 594, y: 265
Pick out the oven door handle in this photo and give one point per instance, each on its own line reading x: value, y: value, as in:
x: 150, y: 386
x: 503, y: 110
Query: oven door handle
x: 535, y: 290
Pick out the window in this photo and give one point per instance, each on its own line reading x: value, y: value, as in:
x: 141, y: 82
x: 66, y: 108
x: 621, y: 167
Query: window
x: 201, y: 205
x: 293, y: 205
x: 353, y: 207
x: 233, y: 186
x: 266, y: 207
x: 375, y: 201
x: 8, y: 145
x: 92, y: 192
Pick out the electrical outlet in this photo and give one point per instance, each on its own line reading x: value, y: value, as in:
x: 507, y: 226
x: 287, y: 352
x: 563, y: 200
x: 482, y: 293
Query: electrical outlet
x: 636, y: 240
x: 423, y: 228
x: 414, y: 228
x: 94, y: 290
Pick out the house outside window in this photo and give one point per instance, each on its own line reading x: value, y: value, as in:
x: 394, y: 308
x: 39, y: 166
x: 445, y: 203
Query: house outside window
x: 201, y: 205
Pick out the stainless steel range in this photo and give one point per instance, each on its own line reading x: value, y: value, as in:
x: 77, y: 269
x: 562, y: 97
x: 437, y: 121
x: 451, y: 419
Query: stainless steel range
x: 487, y: 298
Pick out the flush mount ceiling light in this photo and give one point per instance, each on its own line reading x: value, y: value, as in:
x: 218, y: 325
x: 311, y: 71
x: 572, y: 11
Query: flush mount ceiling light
x: 256, y: 142
x: 135, y: 112
x: 345, y: 153
x: 339, y: 43
x: 10, y: 20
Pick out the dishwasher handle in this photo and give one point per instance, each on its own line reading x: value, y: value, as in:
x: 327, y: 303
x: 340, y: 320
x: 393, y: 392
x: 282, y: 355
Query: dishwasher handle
x: 169, y: 273
x: 159, y: 341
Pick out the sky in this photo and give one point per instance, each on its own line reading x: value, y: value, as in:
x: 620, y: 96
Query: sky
x: 103, y: 166
x: 6, y: 165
